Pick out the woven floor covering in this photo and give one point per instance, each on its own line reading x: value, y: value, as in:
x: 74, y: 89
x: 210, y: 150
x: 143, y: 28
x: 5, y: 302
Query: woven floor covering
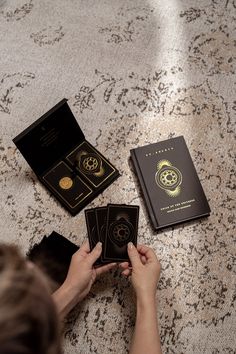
x: 134, y: 72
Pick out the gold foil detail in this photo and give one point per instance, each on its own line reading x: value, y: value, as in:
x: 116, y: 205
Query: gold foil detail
x: 174, y: 193
x: 162, y: 163
x: 90, y: 163
x: 65, y: 183
x: 100, y: 170
x: 168, y: 178
x: 100, y: 173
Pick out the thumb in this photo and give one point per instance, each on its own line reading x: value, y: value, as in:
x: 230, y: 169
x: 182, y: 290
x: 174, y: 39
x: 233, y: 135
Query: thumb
x: 95, y: 254
x: 133, y: 255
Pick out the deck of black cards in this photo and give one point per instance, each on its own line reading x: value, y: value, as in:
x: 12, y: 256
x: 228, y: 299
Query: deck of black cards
x: 115, y: 225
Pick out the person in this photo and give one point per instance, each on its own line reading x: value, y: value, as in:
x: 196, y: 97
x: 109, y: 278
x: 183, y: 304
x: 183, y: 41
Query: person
x: 30, y: 316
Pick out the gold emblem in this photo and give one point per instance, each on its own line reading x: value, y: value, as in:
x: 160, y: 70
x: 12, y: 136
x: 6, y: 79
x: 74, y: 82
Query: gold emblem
x: 90, y: 164
x: 121, y: 232
x: 65, y: 183
x: 168, y: 178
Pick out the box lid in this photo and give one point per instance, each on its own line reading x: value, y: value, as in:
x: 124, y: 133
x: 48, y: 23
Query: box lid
x: 50, y: 137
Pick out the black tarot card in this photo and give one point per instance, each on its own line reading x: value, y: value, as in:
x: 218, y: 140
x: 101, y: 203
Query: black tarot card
x: 53, y: 256
x: 94, y: 167
x: 121, y: 228
x: 101, y: 219
x: 67, y: 185
x: 91, y: 227
x: 91, y: 223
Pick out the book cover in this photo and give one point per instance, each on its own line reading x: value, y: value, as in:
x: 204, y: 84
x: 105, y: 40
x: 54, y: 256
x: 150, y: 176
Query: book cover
x: 169, y: 182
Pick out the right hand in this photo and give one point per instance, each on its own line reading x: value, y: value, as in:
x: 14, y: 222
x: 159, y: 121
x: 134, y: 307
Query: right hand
x: 145, y: 270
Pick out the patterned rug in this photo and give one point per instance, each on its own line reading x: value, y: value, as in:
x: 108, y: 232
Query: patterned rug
x: 134, y: 72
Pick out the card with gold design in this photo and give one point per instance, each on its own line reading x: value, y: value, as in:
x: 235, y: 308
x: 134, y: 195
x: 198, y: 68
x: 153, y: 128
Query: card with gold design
x: 101, y: 218
x: 67, y: 185
x: 94, y: 167
x: 121, y: 228
x: 171, y: 187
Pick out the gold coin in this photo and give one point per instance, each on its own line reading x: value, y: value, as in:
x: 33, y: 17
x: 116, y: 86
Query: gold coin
x: 65, y: 183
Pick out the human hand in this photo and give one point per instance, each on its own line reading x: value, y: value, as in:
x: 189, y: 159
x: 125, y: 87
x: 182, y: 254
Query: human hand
x: 145, y: 270
x: 82, y: 274
x: 80, y: 278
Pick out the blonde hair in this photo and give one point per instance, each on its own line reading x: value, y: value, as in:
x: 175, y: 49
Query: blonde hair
x: 28, y: 318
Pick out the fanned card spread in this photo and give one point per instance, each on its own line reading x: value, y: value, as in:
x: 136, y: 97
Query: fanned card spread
x: 115, y: 226
x: 169, y: 182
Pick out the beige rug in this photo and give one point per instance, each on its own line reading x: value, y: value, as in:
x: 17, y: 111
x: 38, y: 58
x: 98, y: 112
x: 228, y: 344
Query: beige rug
x: 135, y: 72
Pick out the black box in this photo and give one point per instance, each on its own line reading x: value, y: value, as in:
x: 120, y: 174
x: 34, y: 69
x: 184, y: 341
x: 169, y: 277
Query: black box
x: 67, y: 164
x: 169, y: 182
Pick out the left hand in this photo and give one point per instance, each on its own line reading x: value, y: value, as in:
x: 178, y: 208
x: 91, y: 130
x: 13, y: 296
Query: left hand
x: 82, y: 274
x: 80, y: 278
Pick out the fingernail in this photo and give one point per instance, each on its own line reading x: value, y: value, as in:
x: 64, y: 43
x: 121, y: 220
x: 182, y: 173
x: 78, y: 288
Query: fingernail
x: 99, y: 244
x: 130, y: 245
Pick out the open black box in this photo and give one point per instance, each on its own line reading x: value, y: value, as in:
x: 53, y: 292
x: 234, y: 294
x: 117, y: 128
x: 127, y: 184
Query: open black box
x: 64, y: 161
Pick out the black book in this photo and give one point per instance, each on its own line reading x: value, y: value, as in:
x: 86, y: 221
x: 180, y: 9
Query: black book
x: 169, y: 182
